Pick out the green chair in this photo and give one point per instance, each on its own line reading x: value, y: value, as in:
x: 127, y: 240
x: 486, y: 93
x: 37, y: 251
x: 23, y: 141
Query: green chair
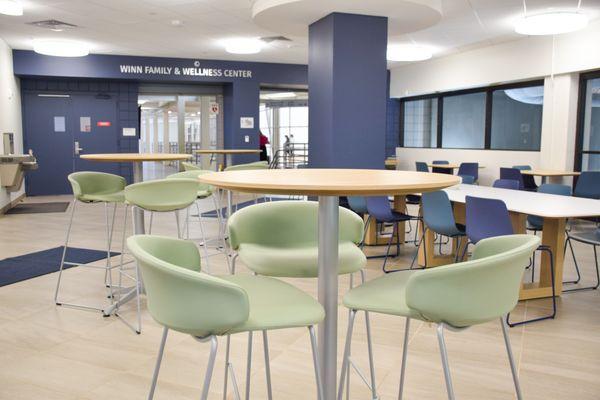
x: 279, y: 239
x: 188, y: 166
x: 93, y: 187
x: 161, y: 195
x: 204, y: 191
x: 182, y: 298
x: 257, y: 165
x: 454, y: 297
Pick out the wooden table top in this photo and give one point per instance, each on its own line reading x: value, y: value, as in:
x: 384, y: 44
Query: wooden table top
x: 329, y: 182
x: 135, y: 157
x: 549, y: 172
x: 448, y: 166
x: 227, y: 151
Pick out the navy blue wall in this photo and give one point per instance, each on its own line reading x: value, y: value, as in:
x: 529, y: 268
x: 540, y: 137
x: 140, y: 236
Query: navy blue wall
x: 126, y: 103
x: 392, y: 131
x: 347, y: 76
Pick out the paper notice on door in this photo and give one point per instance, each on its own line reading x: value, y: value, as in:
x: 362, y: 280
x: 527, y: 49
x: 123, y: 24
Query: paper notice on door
x: 85, y: 124
x: 59, y: 124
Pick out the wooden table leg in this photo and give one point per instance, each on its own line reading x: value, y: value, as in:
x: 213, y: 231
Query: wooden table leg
x: 372, y: 237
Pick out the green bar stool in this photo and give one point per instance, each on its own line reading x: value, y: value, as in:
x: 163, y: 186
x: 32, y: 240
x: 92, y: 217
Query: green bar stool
x: 279, y: 239
x: 204, y: 192
x: 182, y: 298
x: 454, y: 297
x: 93, y: 187
x: 188, y: 166
x: 161, y: 195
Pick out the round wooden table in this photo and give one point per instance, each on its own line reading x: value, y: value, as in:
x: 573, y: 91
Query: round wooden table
x: 228, y: 153
x: 328, y: 185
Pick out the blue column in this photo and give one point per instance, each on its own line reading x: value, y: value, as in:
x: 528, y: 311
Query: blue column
x: 347, y: 79
x: 241, y: 99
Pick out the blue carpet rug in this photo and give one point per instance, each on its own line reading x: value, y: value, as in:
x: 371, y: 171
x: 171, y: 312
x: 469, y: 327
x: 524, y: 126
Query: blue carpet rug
x: 27, y: 266
x: 239, y: 206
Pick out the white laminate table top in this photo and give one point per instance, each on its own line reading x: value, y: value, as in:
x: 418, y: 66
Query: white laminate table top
x: 531, y: 203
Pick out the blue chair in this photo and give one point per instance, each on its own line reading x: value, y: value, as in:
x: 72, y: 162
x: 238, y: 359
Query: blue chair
x: 439, y: 218
x: 358, y: 204
x: 591, y: 237
x: 528, y: 180
x: 487, y: 218
x: 441, y: 170
x: 506, y: 184
x: 588, y: 185
x: 380, y: 209
x: 514, y: 174
x: 469, y: 172
x: 421, y: 166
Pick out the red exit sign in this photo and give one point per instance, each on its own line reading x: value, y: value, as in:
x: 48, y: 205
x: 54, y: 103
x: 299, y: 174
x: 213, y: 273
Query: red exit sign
x: 103, y: 123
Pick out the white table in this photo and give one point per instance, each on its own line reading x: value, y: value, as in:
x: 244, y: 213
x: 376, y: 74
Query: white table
x: 329, y: 184
x: 554, y: 209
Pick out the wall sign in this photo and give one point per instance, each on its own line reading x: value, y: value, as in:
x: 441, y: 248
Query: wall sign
x: 214, y: 108
x: 129, y: 132
x: 196, y: 70
x: 103, y: 124
x: 247, y: 122
x: 85, y: 124
x: 59, y: 124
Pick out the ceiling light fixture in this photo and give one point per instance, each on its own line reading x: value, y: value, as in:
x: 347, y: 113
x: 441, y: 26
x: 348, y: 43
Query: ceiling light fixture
x: 551, y: 23
x: 408, y: 52
x: 60, y: 48
x: 280, y: 95
x: 243, y: 45
x: 11, y: 7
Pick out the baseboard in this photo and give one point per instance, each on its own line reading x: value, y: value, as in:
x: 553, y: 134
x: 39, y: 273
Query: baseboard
x: 12, y: 203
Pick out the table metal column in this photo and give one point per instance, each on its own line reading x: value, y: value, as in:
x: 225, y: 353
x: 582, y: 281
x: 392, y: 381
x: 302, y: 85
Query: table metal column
x: 138, y: 214
x: 328, y: 291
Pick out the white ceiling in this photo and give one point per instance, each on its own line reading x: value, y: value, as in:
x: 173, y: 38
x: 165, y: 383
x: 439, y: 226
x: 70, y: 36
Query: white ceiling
x: 144, y: 27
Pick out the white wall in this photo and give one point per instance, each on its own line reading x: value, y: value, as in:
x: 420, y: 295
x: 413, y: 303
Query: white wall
x: 557, y: 60
x: 10, y: 111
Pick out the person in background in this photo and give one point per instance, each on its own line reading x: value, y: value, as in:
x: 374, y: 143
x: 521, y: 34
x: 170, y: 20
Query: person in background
x: 264, y: 141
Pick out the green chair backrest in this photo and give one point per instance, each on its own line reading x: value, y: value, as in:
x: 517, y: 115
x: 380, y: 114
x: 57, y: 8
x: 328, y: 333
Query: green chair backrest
x: 89, y: 182
x: 477, y: 291
x: 188, y: 166
x: 163, y: 194
x: 248, y: 166
x: 193, y: 174
x: 179, y: 295
x: 287, y: 223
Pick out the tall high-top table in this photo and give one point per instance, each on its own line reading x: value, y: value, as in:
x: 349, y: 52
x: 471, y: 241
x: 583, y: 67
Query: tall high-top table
x: 138, y: 215
x: 228, y: 153
x: 328, y: 185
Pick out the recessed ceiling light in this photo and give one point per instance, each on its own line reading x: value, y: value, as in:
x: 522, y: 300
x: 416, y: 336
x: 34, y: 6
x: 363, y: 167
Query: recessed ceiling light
x: 280, y: 95
x: 551, y: 23
x: 60, y: 48
x: 243, y: 45
x: 11, y: 7
x: 408, y: 52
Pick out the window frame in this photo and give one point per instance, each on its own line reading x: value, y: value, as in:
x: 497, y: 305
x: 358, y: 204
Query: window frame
x: 579, y: 152
x: 488, y: 90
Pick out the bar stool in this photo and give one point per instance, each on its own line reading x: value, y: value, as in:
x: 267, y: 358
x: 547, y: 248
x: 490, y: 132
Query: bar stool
x: 188, y: 166
x: 279, y: 239
x: 161, y: 195
x: 183, y: 298
x: 205, y: 191
x: 89, y: 188
x: 455, y: 297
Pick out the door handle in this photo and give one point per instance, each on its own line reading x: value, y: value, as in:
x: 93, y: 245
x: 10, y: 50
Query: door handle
x: 77, y: 148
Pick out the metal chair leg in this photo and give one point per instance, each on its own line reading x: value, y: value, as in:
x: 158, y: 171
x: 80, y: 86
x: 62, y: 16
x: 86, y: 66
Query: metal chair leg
x: 267, y: 365
x: 313, y: 344
x: 387, y: 252
x: 64, y: 254
x: 369, y: 350
x: 446, y: 367
x: 204, y: 243
x: 404, y: 356
x: 597, y: 274
x: 249, y: 366
x: 161, y: 349
x: 568, y: 241
x: 421, y: 243
x: 210, y: 367
x: 511, y: 360
x: 346, y: 359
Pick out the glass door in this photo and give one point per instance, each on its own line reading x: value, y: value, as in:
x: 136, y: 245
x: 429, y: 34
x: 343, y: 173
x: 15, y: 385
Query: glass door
x: 587, y: 157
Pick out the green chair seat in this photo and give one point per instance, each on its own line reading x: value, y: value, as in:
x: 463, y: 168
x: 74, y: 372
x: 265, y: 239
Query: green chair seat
x: 107, y: 197
x: 385, y: 295
x: 275, y: 304
x: 162, y: 195
x: 204, y: 190
x: 297, y: 261
x: 248, y: 166
x: 202, y: 194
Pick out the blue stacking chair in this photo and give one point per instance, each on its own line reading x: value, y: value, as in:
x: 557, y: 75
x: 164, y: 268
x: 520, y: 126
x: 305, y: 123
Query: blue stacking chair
x: 439, y: 218
x: 380, y: 209
x: 421, y: 166
x: 528, y: 180
x: 441, y: 170
x: 487, y: 218
x: 506, y: 184
x: 469, y: 172
x: 358, y: 204
x: 514, y: 174
x: 588, y: 185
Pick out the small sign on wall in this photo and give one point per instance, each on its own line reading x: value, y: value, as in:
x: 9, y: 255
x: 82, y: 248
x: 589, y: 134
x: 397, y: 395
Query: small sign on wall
x: 129, y: 132
x: 85, y: 124
x: 214, y: 108
x: 59, y: 124
x: 247, y: 122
